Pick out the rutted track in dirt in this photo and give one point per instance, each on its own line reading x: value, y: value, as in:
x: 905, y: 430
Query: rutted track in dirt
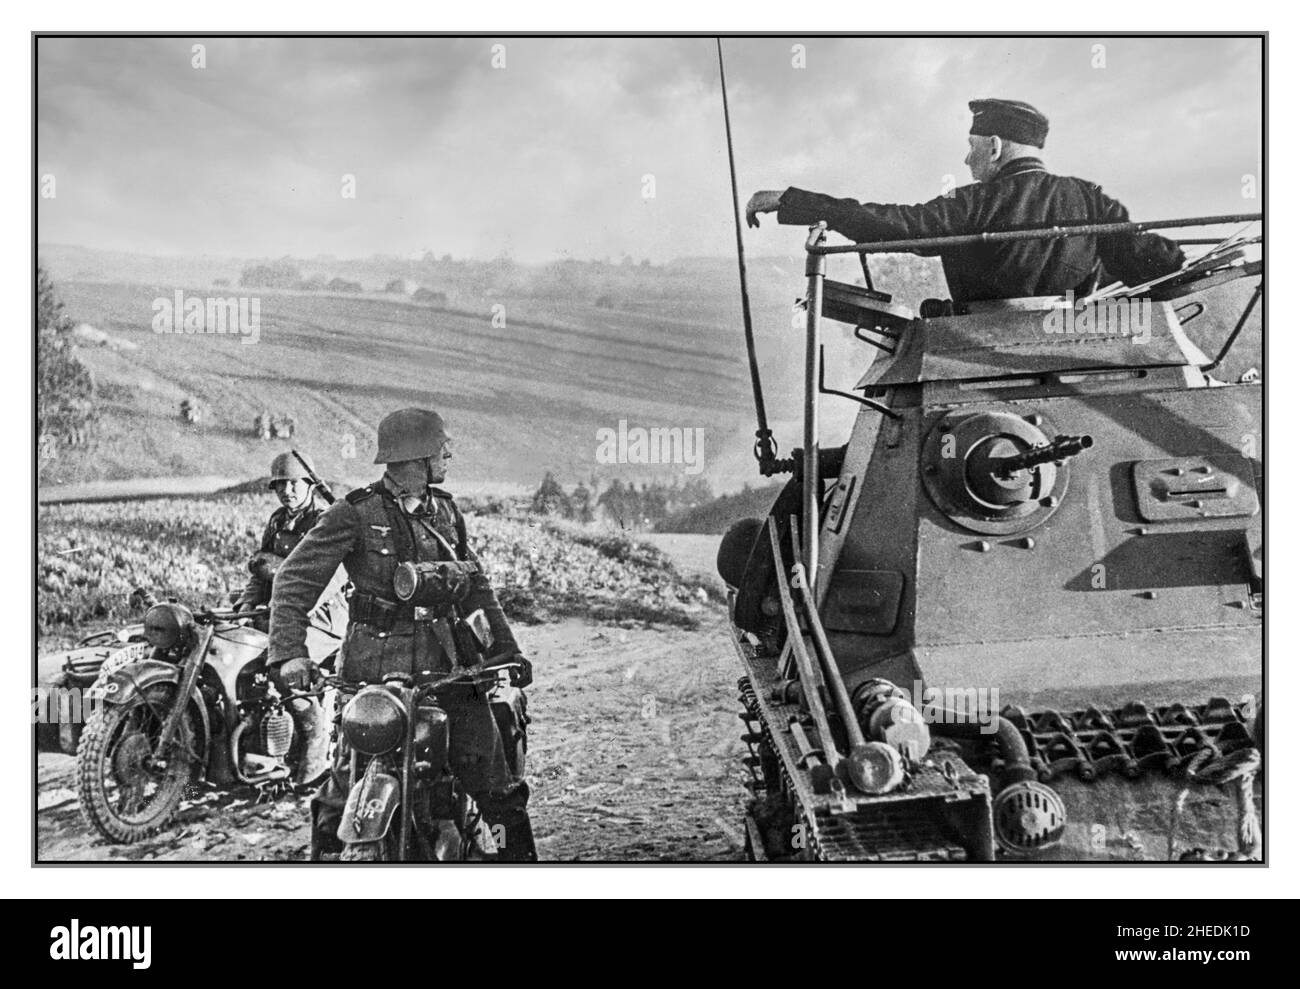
x: 634, y: 755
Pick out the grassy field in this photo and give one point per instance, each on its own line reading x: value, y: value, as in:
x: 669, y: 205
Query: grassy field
x: 91, y: 556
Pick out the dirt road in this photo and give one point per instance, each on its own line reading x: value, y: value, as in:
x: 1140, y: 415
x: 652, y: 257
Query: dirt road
x: 634, y: 755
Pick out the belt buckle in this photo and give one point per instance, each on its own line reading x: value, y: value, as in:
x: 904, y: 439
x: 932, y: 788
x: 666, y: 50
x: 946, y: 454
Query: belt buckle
x: 422, y: 614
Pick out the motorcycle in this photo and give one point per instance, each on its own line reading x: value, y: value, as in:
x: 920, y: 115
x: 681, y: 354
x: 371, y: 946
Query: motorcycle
x: 404, y: 802
x: 194, y: 703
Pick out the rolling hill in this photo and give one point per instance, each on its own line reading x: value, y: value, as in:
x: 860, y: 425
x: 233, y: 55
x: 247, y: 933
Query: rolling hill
x: 526, y: 363
x: 522, y: 394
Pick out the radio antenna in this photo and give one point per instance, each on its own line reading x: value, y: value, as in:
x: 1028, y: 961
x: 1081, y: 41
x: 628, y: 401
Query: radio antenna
x: 764, y: 446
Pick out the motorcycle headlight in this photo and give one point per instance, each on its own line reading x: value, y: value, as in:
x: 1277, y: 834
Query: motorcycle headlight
x: 374, y: 721
x: 167, y: 624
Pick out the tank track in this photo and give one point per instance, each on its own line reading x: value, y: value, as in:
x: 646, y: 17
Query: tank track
x: 1133, y: 740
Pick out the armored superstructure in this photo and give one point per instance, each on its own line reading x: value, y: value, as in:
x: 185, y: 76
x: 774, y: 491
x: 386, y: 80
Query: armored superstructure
x: 1019, y: 614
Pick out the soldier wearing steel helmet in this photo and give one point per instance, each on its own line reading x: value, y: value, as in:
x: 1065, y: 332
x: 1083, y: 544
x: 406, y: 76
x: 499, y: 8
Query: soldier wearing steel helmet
x: 404, y: 517
x: 300, y: 507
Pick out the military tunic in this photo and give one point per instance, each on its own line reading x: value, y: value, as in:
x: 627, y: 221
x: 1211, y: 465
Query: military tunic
x: 369, y: 534
x: 1022, y: 195
x: 284, y: 530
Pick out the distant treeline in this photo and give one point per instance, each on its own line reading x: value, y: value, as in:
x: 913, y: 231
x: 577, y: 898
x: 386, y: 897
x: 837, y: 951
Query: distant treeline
x: 626, y: 284
x: 661, y: 507
x: 285, y: 274
x: 628, y: 505
x: 717, y: 514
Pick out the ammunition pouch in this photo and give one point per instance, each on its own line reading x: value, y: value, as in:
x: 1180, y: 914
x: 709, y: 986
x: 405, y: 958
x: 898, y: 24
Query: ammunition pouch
x: 469, y: 648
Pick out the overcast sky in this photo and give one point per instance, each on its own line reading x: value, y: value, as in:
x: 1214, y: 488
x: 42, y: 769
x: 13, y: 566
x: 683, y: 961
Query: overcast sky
x: 547, y: 156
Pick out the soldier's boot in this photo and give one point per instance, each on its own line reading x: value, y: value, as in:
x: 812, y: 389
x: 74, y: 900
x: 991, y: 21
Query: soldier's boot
x: 313, y: 729
x: 520, y: 846
x: 507, y: 818
x: 325, y: 843
x: 326, y: 813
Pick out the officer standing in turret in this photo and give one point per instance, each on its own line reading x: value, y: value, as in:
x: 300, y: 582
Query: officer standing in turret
x: 404, y: 518
x: 1012, y: 190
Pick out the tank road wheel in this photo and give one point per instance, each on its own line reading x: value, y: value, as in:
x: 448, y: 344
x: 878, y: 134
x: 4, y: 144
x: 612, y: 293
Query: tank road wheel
x: 124, y: 794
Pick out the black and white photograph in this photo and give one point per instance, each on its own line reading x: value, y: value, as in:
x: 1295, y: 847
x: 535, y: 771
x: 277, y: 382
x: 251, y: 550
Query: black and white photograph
x: 675, y: 449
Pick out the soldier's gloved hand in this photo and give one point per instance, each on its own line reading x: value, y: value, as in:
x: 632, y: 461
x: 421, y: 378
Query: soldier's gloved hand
x: 522, y: 676
x: 297, y: 674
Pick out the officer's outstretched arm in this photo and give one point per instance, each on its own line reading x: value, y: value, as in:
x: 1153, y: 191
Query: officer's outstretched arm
x: 304, y: 574
x: 955, y: 213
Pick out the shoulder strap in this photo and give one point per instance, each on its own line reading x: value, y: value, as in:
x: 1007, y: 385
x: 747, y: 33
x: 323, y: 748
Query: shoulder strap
x: 360, y: 494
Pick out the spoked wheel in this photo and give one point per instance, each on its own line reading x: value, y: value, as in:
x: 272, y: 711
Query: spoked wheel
x: 125, y: 793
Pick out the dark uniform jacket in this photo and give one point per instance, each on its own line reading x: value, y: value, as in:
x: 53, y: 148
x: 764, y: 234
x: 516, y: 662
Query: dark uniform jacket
x: 369, y: 534
x: 1022, y: 195
x: 283, y: 532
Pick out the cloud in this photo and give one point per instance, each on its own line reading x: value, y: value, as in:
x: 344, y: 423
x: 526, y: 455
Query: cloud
x: 548, y: 157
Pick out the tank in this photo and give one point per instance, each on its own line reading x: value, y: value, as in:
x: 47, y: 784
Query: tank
x: 1019, y: 615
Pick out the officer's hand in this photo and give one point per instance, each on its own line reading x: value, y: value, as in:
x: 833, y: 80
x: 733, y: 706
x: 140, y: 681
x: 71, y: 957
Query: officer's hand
x: 298, y: 674
x: 768, y: 201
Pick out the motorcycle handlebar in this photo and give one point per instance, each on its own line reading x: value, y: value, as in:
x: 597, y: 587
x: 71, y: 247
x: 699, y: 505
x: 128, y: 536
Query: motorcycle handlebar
x: 209, y: 615
x: 464, y: 675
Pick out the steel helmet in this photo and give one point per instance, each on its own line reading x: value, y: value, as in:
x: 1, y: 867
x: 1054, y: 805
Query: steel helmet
x: 410, y: 434
x: 285, y: 467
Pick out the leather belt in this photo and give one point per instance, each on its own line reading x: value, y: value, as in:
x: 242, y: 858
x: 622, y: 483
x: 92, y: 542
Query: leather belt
x: 370, y: 609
